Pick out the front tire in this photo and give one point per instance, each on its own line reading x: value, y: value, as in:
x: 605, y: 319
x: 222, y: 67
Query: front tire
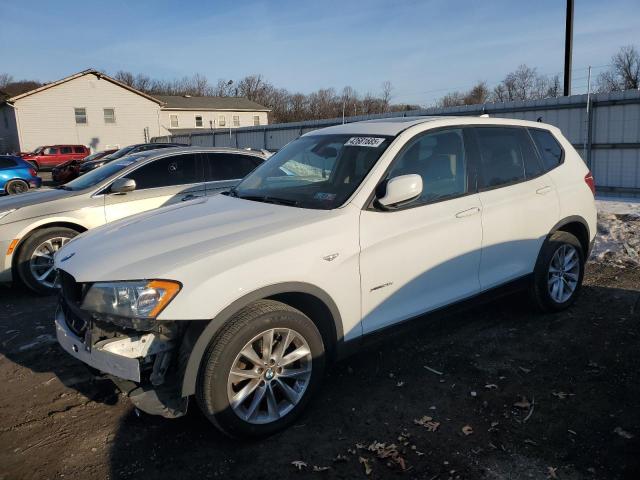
x: 15, y: 187
x: 558, y: 274
x: 261, y: 370
x: 35, y: 258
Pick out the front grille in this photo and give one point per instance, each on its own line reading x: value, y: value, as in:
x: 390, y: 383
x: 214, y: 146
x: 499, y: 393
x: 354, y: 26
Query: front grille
x: 69, y: 299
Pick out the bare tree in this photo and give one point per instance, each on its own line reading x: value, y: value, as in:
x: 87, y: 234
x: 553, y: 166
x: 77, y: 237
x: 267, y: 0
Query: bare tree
x: 479, y: 93
x: 386, y: 94
x: 125, y: 77
x: 5, y: 79
x: 624, y: 73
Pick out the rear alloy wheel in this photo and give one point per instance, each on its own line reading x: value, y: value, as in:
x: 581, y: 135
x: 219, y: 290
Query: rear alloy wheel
x: 35, y: 259
x: 15, y: 187
x: 558, y: 273
x: 260, y: 370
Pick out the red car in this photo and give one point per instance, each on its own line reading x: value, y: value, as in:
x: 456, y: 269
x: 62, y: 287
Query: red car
x: 67, y: 171
x: 47, y: 157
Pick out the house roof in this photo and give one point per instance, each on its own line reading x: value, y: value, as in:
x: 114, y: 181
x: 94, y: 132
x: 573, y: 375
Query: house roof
x: 187, y: 102
x: 96, y: 73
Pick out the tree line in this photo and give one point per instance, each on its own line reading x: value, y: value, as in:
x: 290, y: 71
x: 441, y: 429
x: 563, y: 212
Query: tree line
x: 524, y: 83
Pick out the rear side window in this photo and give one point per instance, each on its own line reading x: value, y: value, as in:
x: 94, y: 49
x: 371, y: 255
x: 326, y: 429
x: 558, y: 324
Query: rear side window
x: 549, y: 148
x: 506, y: 156
x: 65, y: 149
x: 228, y: 166
x: 78, y: 150
x: 167, y: 172
x: 7, y: 162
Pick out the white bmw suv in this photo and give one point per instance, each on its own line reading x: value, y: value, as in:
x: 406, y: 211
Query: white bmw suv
x: 242, y: 299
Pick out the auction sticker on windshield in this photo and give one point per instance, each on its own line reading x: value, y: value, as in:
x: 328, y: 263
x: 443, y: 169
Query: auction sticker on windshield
x: 364, y: 142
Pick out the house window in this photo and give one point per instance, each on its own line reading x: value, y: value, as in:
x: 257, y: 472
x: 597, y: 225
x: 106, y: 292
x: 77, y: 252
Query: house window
x: 173, y: 120
x: 222, y: 121
x: 109, y: 115
x: 256, y: 120
x: 81, y: 116
x: 199, y: 121
x: 236, y: 120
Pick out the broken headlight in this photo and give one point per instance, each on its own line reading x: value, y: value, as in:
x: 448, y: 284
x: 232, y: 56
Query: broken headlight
x: 132, y: 299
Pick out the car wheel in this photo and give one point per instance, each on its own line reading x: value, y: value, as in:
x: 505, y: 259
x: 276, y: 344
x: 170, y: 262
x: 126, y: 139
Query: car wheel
x: 35, y: 258
x: 14, y: 187
x: 558, y: 273
x: 260, y: 371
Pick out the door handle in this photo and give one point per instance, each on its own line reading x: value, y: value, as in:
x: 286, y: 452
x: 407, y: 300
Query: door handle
x: 543, y: 190
x: 468, y: 213
x: 187, y: 197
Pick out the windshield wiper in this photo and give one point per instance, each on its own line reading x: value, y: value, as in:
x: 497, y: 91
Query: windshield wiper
x: 267, y: 199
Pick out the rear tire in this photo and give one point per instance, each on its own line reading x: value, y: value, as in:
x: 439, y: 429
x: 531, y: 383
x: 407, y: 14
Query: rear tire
x: 277, y: 388
x: 15, y: 187
x: 557, y: 278
x: 35, y: 258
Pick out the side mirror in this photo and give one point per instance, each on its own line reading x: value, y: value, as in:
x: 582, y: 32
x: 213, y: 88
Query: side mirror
x: 402, y: 189
x: 123, y: 185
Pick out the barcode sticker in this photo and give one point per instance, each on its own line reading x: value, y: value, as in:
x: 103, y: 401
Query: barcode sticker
x: 364, y: 142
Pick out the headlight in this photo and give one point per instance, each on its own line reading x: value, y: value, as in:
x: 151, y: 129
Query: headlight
x: 6, y: 212
x: 134, y: 299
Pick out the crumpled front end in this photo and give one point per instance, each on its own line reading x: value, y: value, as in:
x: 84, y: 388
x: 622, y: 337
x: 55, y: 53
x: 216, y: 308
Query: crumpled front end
x: 140, y: 357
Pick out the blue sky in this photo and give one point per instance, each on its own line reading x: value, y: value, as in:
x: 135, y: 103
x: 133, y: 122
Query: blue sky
x: 425, y: 48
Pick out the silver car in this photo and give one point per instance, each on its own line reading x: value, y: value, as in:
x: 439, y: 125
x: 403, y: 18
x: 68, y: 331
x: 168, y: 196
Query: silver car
x: 33, y: 226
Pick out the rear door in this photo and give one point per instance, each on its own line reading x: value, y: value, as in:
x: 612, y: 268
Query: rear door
x: 519, y: 203
x: 224, y: 170
x: 163, y: 181
x: 66, y: 153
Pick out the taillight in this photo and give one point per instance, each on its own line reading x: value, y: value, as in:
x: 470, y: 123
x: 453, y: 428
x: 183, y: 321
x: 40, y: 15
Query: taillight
x: 591, y: 183
x: 32, y: 172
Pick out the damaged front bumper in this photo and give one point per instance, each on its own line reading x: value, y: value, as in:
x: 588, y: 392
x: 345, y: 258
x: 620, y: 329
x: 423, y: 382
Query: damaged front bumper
x: 137, y: 362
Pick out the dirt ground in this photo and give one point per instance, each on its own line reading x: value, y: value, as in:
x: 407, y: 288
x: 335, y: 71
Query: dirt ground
x: 510, y: 394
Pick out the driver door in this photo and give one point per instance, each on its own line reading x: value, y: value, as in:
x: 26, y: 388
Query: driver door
x: 163, y: 181
x: 424, y: 254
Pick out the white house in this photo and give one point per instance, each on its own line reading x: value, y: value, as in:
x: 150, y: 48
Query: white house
x: 181, y: 114
x: 93, y: 109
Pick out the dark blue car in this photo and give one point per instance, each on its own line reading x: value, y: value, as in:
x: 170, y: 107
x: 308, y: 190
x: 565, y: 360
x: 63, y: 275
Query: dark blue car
x: 17, y: 176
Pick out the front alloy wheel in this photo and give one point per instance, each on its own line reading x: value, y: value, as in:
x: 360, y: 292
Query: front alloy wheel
x: 260, y: 370
x: 269, y: 376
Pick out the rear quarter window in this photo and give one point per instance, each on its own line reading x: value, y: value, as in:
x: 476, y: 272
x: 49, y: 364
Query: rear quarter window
x: 7, y: 162
x: 550, y: 150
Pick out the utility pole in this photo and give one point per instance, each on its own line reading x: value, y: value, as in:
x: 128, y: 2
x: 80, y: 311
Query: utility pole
x: 568, y: 48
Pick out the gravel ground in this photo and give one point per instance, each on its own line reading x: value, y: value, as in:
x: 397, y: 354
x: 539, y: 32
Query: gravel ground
x: 517, y: 395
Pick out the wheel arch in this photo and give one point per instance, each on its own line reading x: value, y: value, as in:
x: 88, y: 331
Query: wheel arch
x: 577, y: 226
x: 65, y: 224
x: 7, y: 182
x: 309, y: 299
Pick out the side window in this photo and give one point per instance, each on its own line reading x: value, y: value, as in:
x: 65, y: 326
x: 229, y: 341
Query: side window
x: 65, y: 150
x: 439, y: 158
x: 78, y: 150
x: 506, y: 156
x: 229, y: 166
x: 166, y: 172
x: 51, y: 151
x: 7, y: 162
x: 549, y: 148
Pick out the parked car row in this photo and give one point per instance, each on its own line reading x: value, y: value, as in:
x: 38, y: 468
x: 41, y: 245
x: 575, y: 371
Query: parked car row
x: 35, y: 225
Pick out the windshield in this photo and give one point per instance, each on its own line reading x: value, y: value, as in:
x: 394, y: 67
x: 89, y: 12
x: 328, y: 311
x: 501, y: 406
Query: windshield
x: 38, y: 150
x: 120, y: 153
x: 93, y: 156
x: 94, y: 177
x: 314, y: 172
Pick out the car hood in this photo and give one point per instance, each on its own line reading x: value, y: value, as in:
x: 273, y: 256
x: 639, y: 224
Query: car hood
x: 163, y: 243
x: 33, y: 204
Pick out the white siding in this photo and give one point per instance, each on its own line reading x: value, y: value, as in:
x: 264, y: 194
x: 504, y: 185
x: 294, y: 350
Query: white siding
x: 48, y: 117
x: 8, y: 130
x: 187, y: 119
